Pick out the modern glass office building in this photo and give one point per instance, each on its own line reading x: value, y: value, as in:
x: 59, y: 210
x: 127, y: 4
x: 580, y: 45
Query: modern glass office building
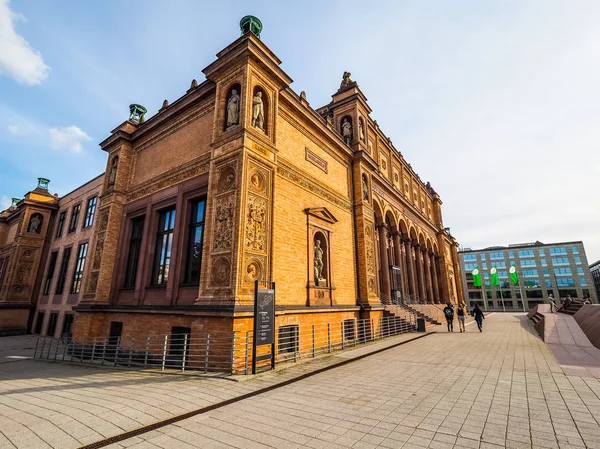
x: 595, y: 271
x: 558, y: 268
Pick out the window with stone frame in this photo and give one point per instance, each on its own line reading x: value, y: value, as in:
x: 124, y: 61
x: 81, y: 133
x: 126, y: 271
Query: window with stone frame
x: 135, y: 244
x: 61, y: 223
x: 50, y: 274
x: 74, y: 218
x: 164, y: 246
x: 79, y: 266
x: 52, y: 320
x: 195, y: 241
x: 90, y: 211
x: 62, y: 274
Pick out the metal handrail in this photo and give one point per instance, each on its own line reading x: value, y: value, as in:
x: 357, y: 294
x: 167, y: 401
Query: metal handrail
x: 221, y: 352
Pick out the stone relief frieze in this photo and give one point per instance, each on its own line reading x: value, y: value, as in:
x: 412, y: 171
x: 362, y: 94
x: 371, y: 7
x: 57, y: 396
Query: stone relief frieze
x: 22, y: 277
x: 224, y: 210
x: 370, y: 250
x: 254, y: 269
x: 98, y: 252
x: 256, y: 233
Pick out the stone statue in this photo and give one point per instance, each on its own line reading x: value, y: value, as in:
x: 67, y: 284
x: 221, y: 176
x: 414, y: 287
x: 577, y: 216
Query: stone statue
x: 318, y: 262
x: 34, y: 224
x: 113, y: 171
x: 346, y: 81
x: 258, y: 113
x: 361, y: 130
x: 347, y: 131
x: 233, y: 109
x: 365, y: 188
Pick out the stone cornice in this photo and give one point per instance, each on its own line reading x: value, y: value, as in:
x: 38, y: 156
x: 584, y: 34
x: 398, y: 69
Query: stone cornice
x: 171, y: 177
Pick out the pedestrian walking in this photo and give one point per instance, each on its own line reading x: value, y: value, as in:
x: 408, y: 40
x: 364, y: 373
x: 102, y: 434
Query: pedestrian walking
x: 478, y: 315
x: 449, y: 314
x: 552, y: 303
x: 460, y: 315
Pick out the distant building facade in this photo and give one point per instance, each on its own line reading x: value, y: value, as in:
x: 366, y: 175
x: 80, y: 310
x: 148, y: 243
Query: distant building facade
x: 595, y: 272
x: 62, y: 276
x: 558, y: 268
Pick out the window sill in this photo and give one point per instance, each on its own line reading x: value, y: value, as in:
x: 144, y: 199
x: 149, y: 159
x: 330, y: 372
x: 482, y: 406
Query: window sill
x: 190, y: 284
x: 156, y: 287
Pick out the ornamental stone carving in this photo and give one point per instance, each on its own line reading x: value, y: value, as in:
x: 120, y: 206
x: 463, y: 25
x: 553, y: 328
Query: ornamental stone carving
x: 23, y: 273
x: 98, y: 252
x: 370, y: 250
x: 224, y: 223
x: 226, y: 179
x: 221, y: 269
x: 103, y: 223
x: 93, y: 283
x: 254, y: 270
x: 256, y: 238
x: 35, y: 223
x: 258, y: 182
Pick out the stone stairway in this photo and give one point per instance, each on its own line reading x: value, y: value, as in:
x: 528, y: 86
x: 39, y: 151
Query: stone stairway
x: 424, y: 311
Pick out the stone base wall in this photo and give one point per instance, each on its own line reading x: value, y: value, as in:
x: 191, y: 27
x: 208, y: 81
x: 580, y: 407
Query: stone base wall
x: 13, y: 321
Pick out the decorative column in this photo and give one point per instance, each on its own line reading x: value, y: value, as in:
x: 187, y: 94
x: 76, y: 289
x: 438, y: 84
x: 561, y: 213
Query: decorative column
x: 440, y: 287
x: 436, y: 288
x: 427, y: 277
x: 420, y: 272
x: 384, y: 266
x: 410, y: 268
x: 398, y: 256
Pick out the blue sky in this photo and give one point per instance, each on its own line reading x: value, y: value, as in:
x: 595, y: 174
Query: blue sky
x: 496, y: 103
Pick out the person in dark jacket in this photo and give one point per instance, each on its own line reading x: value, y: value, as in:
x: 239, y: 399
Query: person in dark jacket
x: 478, y: 315
x: 449, y: 314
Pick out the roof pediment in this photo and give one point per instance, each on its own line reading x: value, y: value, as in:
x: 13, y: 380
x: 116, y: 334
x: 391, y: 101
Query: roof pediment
x: 322, y: 213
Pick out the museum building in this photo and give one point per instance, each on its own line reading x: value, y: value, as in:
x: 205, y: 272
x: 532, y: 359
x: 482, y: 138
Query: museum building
x: 239, y: 180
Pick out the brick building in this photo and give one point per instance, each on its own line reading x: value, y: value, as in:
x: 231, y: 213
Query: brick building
x: 241, y: 179
x: 238, y: 180
x: 62, y: 273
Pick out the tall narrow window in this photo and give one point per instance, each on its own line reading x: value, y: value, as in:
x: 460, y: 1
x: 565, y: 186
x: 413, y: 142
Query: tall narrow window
x: 74, y: 218
x: 194, y: 253
x: 164, y: 243
x: 135, y: 243
x: 52, y: 325
x: 67, y: 327
x: 79, y: 266
x: 39, y: 322
x: 50, y: 274
x: 61, y: 223
x: 90, y: 211
x: 62, y: 274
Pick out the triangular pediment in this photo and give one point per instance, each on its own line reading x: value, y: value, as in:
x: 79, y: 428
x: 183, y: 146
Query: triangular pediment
x: 321, y: 213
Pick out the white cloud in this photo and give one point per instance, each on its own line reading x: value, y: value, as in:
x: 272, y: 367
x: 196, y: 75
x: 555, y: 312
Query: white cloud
x: 16, y: 130
x: 17, y: 59
x: 69, y: 138
x: 5, y: 203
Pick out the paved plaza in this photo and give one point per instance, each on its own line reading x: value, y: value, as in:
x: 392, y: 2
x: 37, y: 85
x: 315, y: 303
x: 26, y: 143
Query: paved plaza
x: 500, y: 388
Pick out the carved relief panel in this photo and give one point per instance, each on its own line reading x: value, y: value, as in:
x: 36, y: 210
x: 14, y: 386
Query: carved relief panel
x: 257, y: 225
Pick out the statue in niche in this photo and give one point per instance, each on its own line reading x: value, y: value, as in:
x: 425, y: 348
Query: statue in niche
x: 361, y: 130
x: 365, y: 188
x: 318, y: 251
x: 258, y: 112
x: 347, y: 131
x: 346, y: 81
x: 113, y: 171
x: 34, y: 224
x: 233, y: 109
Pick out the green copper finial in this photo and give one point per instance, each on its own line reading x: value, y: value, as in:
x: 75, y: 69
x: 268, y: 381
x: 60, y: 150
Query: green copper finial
x: 136, y: 113
x: 15, y: 201
x: 251, y: 24
x: 43, y: 183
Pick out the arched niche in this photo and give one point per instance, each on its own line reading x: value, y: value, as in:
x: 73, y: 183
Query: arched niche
x: 361, y: 129
x: 365, y: 187
x: 260, y: 110
x: 232, y: 106
x: 114, y: 165
x: 35, y: 223
x: 347, y: 129
x: 321, y: 259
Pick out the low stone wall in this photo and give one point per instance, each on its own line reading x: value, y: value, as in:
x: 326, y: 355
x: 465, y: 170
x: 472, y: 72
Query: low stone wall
x: 588, y: 318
